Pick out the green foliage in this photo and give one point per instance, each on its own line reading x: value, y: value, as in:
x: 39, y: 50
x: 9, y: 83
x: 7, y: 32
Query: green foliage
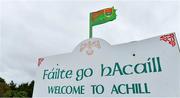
x: 22, y: 94
x: 2, y: 80
x: 27, y: 87
x: 15, y: 93
x: 14, y: 90
x: 3, y: 88
x: 12, y: 85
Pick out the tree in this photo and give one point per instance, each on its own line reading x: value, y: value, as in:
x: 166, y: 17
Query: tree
x: 31, y: 86
x: 27, y: 87
x: 9, y: 93
x: 2, y: 80
x: 12, y: 90
x: 22, y: 94
x: 3, y: 87
x: 12, y: 85
x: 15, y: 93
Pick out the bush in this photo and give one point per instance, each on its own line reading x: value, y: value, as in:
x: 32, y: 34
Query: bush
x: 12, y: 90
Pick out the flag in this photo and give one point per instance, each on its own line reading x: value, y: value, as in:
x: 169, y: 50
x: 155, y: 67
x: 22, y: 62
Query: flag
x: 102, y: 16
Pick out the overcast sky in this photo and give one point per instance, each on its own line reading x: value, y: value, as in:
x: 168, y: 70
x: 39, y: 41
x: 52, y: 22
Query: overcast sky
x: 37, y: 28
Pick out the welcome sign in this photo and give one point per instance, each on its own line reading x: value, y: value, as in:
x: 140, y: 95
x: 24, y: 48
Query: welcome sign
x: 147, y: 68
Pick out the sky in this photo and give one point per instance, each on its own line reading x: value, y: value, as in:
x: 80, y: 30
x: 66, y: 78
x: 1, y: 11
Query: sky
x: 30, y: 29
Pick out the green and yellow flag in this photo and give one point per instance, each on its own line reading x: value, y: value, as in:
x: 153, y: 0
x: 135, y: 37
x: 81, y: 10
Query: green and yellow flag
x: 101, y: 16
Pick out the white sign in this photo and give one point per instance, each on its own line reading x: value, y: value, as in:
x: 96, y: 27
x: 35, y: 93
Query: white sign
x: 147, y: 68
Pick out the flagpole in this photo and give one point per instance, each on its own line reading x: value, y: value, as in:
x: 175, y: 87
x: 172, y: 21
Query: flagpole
x: 90, y: 27
x: 90, y: 32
